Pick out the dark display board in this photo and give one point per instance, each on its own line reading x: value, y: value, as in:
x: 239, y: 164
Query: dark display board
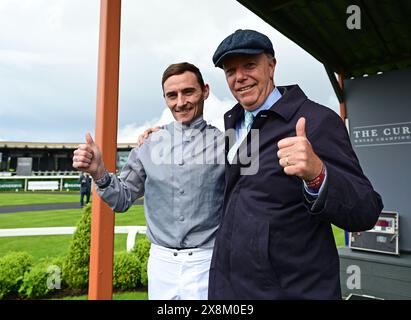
x: 379, y: 122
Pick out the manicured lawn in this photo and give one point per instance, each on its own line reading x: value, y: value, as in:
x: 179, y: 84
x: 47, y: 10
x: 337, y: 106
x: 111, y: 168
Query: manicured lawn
x: 21, y: 198
x: 130, y: 295
x: 65, y: 218
x: 339, y: 236
x: 37, y: 246
x: 40, y: 219
x: 53, y: 246
x: 49, y: 246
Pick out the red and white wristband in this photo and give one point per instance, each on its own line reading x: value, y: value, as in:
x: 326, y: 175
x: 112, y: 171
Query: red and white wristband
x: 316, y: 183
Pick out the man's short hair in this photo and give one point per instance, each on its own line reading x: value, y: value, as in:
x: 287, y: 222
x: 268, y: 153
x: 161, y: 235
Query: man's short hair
x: 180, y: 68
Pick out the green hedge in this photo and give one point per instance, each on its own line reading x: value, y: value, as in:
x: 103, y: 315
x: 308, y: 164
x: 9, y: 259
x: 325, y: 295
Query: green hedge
x: 42, y: 279
x: 142, y: 250
x: 126, y: 271
x: 76, y: 263
x: 12, y: 269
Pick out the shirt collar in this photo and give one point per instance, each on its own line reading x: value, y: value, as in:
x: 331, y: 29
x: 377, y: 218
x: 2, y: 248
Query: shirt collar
x: 292, y: 97
x: 198, y: 123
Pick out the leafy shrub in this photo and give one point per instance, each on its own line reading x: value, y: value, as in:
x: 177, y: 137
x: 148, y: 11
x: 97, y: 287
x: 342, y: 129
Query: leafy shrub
x: 12, y: 269
x: 76, y: 263
x: 42, y: 279
x: 126, y: 271
x: 142, y: 250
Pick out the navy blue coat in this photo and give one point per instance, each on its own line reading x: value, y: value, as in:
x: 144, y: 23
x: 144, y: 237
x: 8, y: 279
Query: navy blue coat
x: 273, y: 242
x: 85, y: 183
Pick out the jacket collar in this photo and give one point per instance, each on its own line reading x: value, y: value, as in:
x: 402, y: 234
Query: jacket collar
x: 291, y: 100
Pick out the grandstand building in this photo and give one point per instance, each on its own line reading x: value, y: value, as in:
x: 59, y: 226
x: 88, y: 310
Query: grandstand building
x: 45, y: 158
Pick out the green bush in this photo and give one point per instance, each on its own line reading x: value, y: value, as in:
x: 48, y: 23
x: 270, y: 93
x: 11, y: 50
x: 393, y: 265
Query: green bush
x: 76, y: 263
x: 12, y: 269
x: 42, y: 279
x: 126, y: 271
x: 142, y: 250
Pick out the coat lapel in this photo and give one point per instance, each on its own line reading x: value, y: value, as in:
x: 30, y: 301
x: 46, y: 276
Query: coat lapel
x: 231, y: 117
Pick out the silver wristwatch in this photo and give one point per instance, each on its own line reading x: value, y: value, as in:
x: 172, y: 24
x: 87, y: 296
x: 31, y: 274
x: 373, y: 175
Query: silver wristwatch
x: 104, y: 181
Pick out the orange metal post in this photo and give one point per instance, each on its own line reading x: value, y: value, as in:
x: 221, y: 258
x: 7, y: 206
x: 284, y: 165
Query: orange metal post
x: 102, y: 220
x: 343, y: 111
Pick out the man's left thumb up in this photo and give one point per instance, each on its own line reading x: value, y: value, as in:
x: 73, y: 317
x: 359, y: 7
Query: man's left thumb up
x: 300, y: 127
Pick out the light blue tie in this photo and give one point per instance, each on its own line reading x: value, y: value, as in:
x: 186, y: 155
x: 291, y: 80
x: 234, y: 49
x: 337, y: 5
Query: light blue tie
x: 248, y: 120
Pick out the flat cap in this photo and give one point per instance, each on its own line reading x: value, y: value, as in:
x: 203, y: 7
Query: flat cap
x: 242, y: 42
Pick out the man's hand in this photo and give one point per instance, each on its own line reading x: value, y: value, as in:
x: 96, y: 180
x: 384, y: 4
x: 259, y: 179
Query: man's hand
x: 297, y: 156
x: 145, y: 135
x: 87, y: 158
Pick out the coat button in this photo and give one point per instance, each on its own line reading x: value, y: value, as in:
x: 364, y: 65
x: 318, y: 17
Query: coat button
x: 190, y: 253
x: 175, y: 254
x: 181, y: 218
x: 181, y: 191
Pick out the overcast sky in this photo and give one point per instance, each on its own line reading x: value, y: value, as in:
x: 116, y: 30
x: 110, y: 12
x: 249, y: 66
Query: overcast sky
x: 48, y: 63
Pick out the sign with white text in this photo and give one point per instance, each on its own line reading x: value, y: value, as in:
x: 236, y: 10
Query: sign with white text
x: 382, y: 134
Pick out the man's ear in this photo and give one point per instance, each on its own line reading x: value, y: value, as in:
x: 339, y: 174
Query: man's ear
x: 272, y: 64
x: 206, y: 91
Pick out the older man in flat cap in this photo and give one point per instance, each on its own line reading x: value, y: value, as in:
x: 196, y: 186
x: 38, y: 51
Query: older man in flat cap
x: 275, y: 240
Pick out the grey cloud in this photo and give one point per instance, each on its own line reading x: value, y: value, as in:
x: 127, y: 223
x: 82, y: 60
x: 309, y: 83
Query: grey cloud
x: 48, y: 61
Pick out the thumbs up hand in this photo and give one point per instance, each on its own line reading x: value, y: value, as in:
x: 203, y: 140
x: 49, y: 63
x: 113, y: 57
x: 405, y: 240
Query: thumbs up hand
x: 300, y: 128
x: 296, y: 155
x: 87, y: 158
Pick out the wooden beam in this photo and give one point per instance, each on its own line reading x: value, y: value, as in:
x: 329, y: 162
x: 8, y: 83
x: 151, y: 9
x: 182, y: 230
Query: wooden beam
x: 102, y: 219
x: 336, y: 86
x: 343, y: 107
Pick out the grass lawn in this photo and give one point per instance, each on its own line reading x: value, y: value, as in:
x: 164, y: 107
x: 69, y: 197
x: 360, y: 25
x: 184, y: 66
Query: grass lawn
x: 339, y: 236
x: 65, y: 218
x: 53, y: 246
x: 49, y: 246
x: 21, y: 198
x: 130, y: 295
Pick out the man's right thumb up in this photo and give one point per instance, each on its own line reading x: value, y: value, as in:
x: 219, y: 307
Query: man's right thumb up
x: 89, y: 139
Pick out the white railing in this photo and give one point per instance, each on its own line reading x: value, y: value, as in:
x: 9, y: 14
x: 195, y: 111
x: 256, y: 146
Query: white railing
x: 131, y: 232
